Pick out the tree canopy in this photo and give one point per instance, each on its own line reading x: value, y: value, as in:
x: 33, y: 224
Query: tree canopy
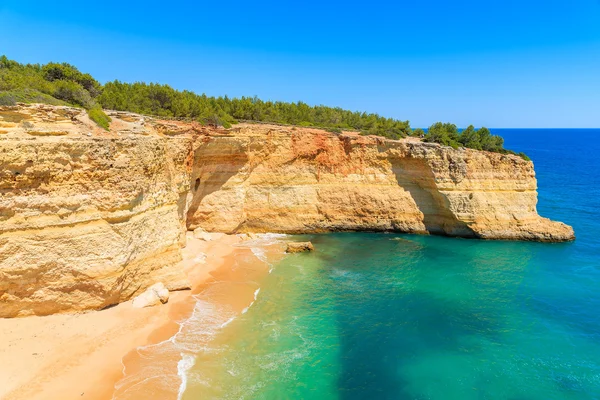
x: 62, y: 83
x: 449, y: 135
x: 164, y: 101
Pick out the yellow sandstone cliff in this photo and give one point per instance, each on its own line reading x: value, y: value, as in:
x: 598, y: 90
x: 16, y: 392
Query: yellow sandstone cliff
x: 89, y: 218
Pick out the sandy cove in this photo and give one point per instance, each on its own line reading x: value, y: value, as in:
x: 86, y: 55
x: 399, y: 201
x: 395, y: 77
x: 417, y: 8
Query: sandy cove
x: 79, y: 356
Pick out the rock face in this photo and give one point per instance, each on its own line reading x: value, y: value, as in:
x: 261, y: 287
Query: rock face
x: 90, y: 218
x: 273, y: 179
x: 299, y: 247
x: 87, y: 222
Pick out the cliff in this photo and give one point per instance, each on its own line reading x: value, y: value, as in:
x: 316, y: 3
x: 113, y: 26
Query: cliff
x: 89, y: 218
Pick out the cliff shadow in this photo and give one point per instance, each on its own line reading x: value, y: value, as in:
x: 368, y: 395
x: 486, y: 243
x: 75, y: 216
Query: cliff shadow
x: 388, y: 324
x: 416, y: 177
x: 378, y: 349
x: 210, y: 173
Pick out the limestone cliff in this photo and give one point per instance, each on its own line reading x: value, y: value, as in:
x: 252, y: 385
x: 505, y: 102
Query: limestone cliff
x: 265, y: 178
x: 89, y: 218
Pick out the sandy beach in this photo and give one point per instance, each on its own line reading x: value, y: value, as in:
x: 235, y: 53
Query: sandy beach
x: 80, y: 356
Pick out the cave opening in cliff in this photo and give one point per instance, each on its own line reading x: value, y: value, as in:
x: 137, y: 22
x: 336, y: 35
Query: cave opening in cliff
x: 415, y: 176
x: 212, y: 170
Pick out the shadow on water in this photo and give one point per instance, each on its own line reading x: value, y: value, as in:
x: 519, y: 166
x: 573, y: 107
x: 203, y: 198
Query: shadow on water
x: 372, y: 357
x: 390, y: 316
x: 390, y: 323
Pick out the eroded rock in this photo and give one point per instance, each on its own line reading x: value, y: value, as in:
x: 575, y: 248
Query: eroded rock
x: 299, y: 247
x: 264, y: 178
x: 201, y: 234
x: 90, y: 221
x: 153, y: 296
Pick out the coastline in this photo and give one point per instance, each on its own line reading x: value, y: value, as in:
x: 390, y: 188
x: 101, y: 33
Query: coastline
x: 84, y: 355
x: 160, y: 370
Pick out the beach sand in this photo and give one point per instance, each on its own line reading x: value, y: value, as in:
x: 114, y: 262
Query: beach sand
x: 79, y: 356
x: 159, y: 371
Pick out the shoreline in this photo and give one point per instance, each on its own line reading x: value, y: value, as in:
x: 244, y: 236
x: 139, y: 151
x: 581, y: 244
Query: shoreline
x: 161, y: 370
x: 84, y: 355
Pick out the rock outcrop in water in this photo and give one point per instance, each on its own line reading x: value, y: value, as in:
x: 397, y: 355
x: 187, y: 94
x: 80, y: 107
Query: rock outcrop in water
x: 90, y: 218
x: 299, y: 247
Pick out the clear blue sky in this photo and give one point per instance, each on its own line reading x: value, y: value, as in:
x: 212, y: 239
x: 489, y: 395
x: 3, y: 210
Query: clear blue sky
x: 497, y: 63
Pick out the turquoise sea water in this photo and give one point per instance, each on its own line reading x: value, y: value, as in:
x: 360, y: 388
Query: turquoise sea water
x: 395, y: 316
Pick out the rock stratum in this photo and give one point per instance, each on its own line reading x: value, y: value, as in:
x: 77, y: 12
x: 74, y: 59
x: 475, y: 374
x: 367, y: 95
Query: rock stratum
x: 90, y: 218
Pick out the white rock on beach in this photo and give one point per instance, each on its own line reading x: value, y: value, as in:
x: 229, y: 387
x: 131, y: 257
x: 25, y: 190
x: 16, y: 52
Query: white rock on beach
x: 153, y: 296
x: 200, y: 258
x: 201, y: 234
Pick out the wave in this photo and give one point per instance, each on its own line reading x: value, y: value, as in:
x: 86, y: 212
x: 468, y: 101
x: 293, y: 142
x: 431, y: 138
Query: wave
x: 230, y: 320
x: 258, y: 245
x: 183, y: 366
x: 195, y: 333
x: 263, y: 239
x: 260, y: 253
x: 193, y: 336
x: 245, y: 310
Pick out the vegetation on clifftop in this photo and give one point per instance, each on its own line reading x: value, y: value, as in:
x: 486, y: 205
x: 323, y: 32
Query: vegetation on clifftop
x: 164, y: 101
x: 55, y: 83
x: 52, y: 83
x: 478, y: 139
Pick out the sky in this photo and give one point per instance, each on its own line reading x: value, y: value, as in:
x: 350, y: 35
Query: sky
x: 494, y: 63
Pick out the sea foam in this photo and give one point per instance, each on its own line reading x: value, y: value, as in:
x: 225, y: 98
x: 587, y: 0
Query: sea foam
x: 183, y: 366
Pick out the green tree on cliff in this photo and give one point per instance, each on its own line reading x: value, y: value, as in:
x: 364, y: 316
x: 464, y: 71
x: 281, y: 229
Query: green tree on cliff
x: 62, y: 83
x: 443, y: 133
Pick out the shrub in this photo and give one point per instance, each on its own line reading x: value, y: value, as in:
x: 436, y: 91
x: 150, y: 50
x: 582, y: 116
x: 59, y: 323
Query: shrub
x: 524, y: 156
x: 470, y: 138
x: 418, y: 132
x: 53, y: 81
x: 11, y: 97
x: 99, y: 117
x: 7, y: 99
x: 445, y: 134
x: 74, y: 93
x: 66, y: 72
x: 216, y: 121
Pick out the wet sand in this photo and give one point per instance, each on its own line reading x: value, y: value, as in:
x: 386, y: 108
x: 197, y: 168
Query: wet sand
x: 80, y: 356
x: 160, y: 370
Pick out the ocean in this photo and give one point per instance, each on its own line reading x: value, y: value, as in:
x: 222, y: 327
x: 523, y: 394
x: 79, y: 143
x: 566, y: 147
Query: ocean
x: 398, y: 316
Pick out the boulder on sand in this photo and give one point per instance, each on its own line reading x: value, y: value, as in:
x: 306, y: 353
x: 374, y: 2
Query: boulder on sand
x: 298, y: 247
x: 154, y: 295
x: 248, y: 236
x: 201, y: 234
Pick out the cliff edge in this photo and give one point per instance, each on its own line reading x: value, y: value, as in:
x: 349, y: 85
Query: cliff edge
x: 90, y: 218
